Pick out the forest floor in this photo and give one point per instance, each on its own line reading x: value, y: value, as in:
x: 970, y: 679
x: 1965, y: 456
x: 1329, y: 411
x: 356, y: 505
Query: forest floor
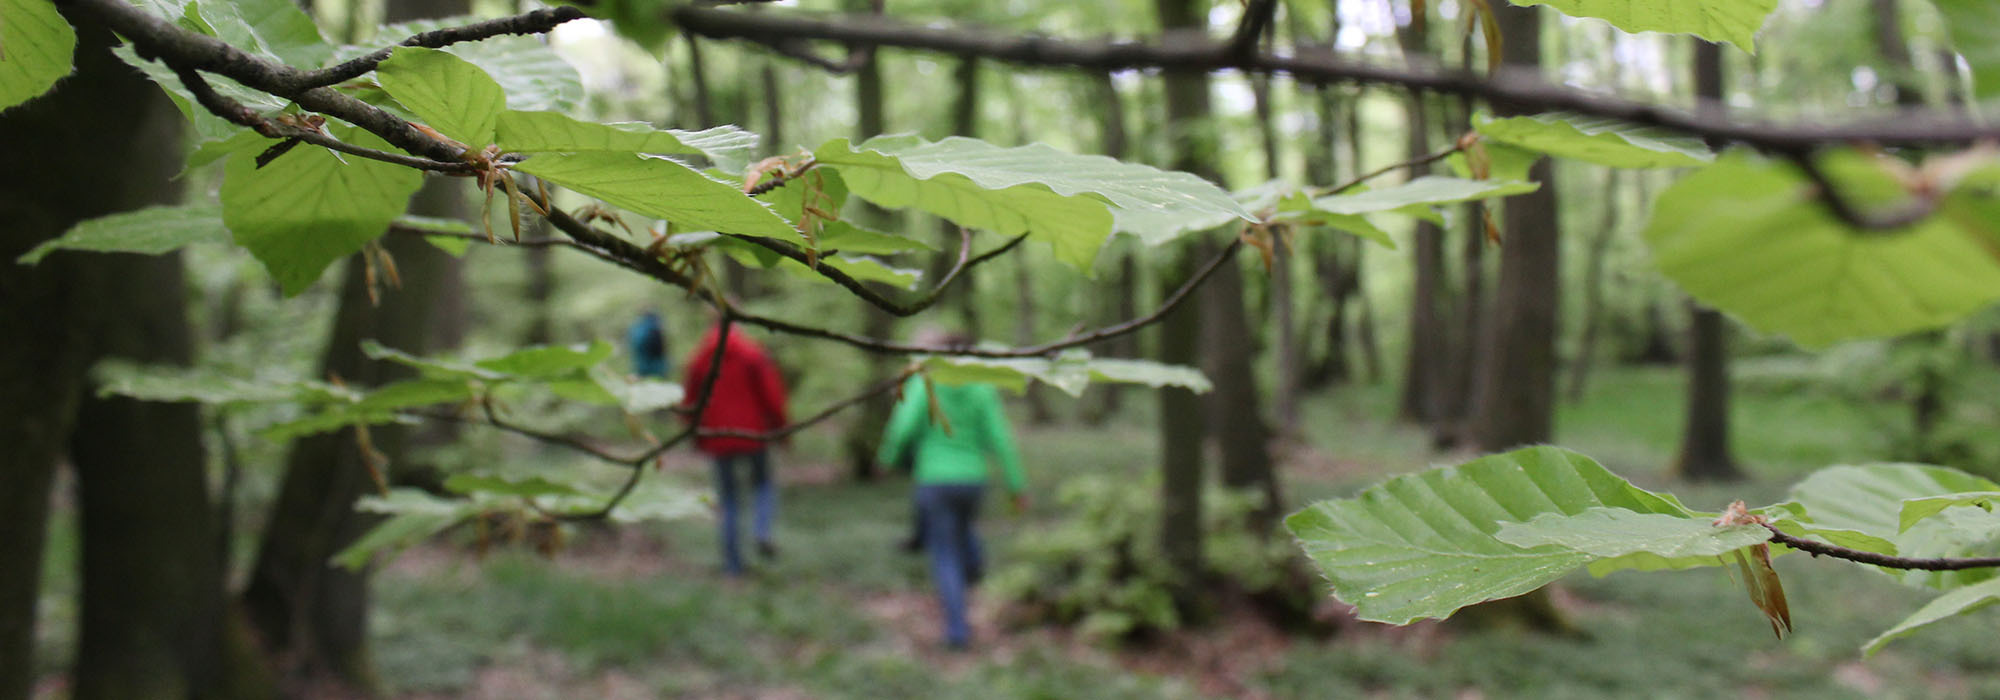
x: 641, y: 611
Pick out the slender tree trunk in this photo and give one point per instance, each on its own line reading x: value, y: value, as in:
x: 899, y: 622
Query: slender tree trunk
x: 1517, y: 383
x: 1593, y: 289
x: 1122, y: 303
x: 1705, y: 454
x: 1026, y: 319
x: 1285, y: 398
x: 541, y: 288
x: 964, y: 122
x: 1422, y: 366
x: 1194, y: 145
x: 866, y: 431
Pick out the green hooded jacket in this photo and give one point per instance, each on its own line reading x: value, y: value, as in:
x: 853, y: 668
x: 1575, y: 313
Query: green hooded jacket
x: 978, y: 428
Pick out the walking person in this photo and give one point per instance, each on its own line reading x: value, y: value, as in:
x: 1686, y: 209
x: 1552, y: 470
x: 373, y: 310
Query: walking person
x: 647, y: 339
x: 950, y: 454
x: 748, y: 396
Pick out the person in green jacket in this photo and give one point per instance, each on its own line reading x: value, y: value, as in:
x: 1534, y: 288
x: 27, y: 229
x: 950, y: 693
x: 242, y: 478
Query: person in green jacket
x: 949, y: 458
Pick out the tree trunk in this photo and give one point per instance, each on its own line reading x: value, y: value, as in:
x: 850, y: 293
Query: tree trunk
x: 1705, y: 453
x: 52, y: 308
x: 1517, y: 383
x: 865, y: 432
x: 1194, y: 145
x: 1593, y: 289
x: 964, y: 122
x: 1122, y: 303
x: 1025, y: 320
x: 311, y: 614
x: 1235, y: 417
x: 1422, y: 367
x: 1285, y: 397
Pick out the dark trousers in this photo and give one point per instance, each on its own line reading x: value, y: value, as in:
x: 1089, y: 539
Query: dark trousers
x: 949, y: 513
x: 766, y: 503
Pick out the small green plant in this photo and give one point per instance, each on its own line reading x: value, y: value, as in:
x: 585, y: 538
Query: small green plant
x: 1101, y: 569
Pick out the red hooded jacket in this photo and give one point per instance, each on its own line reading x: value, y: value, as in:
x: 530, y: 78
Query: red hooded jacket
x: 749, y: 395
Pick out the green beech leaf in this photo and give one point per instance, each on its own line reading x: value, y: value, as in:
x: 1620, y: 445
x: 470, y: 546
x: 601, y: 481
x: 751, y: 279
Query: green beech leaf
x: 533, y: 75
x: 1070, y: 372
x: 445, y: 91
x: 309, y: 208
x: 1951, y: 603
x: 413, y: 516
x: 1974, y: 27
x: 548, y: 360
x: 532, y: 486
x: 848, y: 238
x: 1071, y: 201
x: 1870, y: 499
x: 1420, y: 194
x: 429, y: 366
x: 277, y: 29
x: 1423, y: 545
x: 1597, y: 140
x: 661, y: 187
x: 827, y: 189
x: 1916, y: 509
x: 545, y: 132
x: 1662, y: 541
x: 1732, y: 21
x: 36, y: 45
x: 148, y: 231
x: 1298, y: 208
x: 451, y: 245
x: 202, y: 385
x: 1749, y: 237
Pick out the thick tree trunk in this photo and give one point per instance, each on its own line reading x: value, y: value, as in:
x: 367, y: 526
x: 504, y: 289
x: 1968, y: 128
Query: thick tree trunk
x: 49, y: 310
x: 311, y: 613
x: 152, y: 585
x: 1517, y: 383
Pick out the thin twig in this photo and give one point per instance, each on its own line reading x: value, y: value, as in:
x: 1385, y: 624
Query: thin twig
x: 1417, y: 162
x: 694, y: 424
x: 536, y: 22
x: 876, y: 299
x: 480, y: 238
x: 1882, y: 560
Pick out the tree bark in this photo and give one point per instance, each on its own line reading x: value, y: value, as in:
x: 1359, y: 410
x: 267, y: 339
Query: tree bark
x: 1194, y: 145
x: 1422, y: 365
x: 866, y: 431
x: 1593, y: 289
x: 1705, y: 453
x: 51, y: 311
x: 309, y: 613
x: 1517, y: 383
x: 1122, y: 304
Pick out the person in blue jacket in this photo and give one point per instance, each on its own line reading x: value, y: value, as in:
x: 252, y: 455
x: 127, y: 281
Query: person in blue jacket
x: 647, y: 339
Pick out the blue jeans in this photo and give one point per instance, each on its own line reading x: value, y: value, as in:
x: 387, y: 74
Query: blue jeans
x: 767, y: 503
x: 949, y: 512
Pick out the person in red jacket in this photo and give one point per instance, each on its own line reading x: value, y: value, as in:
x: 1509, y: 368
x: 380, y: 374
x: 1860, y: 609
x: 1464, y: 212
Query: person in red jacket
x: 749, y: 396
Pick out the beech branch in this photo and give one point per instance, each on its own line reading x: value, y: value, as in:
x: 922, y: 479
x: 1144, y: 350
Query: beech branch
x: 1519, y: 88
x: 867, y: 294
x: 536, y: 22
x: 1883, y: 560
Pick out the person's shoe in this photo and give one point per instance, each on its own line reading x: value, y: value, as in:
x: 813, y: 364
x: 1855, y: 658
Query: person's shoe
x: 911, y: 546
x: 767, y: 549
x: 958, y: 644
